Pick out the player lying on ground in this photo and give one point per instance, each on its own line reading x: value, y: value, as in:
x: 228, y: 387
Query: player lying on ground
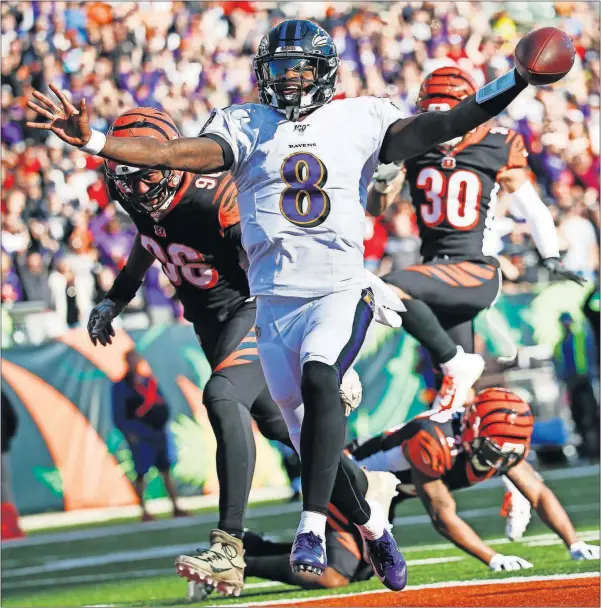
x: 302, y: 166
x: 190, y: 225
x: 431, y: 456
x: 454, y: 188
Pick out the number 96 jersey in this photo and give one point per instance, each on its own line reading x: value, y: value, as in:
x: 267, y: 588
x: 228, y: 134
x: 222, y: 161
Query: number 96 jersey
x: 197, y: 244
x: 302, y: 189
x: 454, y: 191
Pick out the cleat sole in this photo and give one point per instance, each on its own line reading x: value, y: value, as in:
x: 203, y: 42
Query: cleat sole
x: 307, y: 568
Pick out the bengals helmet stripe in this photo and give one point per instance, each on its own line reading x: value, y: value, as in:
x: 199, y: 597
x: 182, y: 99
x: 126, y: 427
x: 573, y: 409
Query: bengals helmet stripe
x: 496, y: 429
x: 144, y: 122
x: 446, y: 86
x: 124, y: 181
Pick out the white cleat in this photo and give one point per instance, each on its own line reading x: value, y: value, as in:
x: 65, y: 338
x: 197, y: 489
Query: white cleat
x: 516, y: 509
x: 460, y: 374
x: 221, y: 566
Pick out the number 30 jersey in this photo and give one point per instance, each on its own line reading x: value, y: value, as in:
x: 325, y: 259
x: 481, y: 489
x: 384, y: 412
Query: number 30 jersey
x: 197, y: 244
x: 454, y: 191
x: 302, y: 189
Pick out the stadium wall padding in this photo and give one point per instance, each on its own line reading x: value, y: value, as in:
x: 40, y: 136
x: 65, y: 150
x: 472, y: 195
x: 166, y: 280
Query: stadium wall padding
x: 67, y: 454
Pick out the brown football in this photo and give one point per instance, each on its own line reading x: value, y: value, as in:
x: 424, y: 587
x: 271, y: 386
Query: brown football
x: 544, y: 56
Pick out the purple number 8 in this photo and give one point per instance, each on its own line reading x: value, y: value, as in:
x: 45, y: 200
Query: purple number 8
x: 303, y: 202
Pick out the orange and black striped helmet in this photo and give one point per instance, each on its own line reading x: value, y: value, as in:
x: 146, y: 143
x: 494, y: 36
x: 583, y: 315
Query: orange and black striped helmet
x: 133, y: 185
x: 444, y: 88
x: 496, y: 429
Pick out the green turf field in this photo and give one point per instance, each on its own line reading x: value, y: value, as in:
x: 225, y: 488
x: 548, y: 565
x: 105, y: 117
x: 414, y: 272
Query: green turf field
x: 131, y: 564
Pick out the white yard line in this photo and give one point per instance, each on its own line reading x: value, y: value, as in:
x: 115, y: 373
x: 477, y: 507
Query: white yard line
x: 50, y: 520
x: 146, y: 527
x: 58, y: 565
x: 498, y: 581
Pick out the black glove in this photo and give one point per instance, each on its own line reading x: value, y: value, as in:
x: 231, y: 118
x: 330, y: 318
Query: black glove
x: 100, y: 327
x: 557, y: 269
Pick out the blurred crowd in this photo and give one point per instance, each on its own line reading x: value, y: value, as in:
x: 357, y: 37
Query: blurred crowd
x: 63, y: 239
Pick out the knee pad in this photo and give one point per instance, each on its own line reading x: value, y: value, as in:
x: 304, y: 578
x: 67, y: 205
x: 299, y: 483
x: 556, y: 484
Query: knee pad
x: 318, y: 377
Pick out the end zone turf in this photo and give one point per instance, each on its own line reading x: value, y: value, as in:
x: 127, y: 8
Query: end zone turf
x: 536, y: 591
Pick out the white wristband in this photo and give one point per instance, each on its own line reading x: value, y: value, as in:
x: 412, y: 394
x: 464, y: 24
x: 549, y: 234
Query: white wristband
x: 95, y: 144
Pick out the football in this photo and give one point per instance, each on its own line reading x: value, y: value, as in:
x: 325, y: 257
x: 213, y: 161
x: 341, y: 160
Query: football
x: 544, y: 56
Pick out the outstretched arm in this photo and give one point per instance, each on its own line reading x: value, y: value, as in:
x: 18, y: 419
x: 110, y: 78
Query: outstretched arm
x: 541, y: 497
x: 194, y: 154
x: 441, y: 508
x: 440, y: 505
x: 540, y: 221
x: 409, y: 137
x: 122, y: 292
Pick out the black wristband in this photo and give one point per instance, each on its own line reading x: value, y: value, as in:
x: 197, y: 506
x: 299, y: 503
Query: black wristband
x: 124, y: 288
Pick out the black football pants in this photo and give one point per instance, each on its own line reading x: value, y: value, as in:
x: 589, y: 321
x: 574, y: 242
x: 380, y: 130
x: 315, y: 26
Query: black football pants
x: 455, y: 290
x: 235, y: 394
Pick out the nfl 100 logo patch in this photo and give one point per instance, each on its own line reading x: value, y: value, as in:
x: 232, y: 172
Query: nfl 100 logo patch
x: 448, y: 162
x: 160, y: 231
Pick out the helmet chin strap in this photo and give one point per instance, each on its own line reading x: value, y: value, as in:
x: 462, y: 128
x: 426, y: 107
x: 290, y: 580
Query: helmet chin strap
x: 292, y: 113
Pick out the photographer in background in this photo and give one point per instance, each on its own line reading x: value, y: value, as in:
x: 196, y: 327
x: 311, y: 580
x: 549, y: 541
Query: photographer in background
x: 574, y: 360
x: 141, y: 414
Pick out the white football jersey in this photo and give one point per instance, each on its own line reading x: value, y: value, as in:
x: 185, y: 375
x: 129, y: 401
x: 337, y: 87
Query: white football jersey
x: 302, y: 189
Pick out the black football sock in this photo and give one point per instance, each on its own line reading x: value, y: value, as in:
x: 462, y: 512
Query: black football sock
x: 257, y: 546
x: 423, y: 325
x: 271, y: 568
x: 349, y: 492
x: 322, y: 434
x: 236, y: 454
x: 324, y: 477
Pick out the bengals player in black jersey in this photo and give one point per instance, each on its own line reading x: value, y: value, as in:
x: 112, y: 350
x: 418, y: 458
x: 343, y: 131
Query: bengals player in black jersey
x: 454, y: 188
x: 431, y: 456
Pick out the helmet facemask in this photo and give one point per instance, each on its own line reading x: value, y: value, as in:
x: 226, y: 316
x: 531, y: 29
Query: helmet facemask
x: 157, y: 198
x: 314, y: 80
x: 486, y: 453
x: 496, y: 430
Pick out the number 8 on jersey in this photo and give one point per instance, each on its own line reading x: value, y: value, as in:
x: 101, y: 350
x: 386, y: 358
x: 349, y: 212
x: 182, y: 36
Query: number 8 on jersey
x: 303, y: 201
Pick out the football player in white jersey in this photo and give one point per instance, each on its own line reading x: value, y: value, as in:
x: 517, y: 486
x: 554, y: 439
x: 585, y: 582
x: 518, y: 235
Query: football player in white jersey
x: 302, y: 166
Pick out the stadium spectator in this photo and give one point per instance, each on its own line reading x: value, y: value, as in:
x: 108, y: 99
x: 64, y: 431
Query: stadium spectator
x: 141, y: 414
x: 34, y: 278
x: 189, y: 57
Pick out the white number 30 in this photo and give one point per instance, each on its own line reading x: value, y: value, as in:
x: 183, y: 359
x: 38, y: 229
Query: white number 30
x: 457, y: 199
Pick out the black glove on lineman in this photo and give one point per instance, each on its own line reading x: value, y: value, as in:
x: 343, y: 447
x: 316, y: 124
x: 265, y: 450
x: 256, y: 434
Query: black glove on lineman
x: 557, y: 269
x: 100, y: 327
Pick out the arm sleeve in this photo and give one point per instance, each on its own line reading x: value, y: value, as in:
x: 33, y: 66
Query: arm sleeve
x: 387, y: 114
x: 415, y: 135
x: 229, y: 129
x: 540, y: 221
